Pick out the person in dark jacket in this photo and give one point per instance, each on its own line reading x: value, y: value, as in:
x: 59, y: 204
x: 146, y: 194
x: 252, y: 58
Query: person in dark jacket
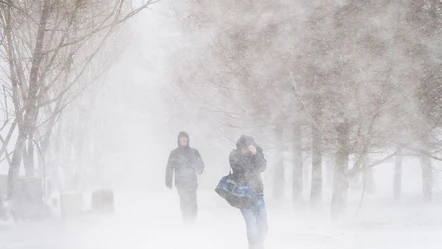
x: 185, y: 162
x: 247, y: 163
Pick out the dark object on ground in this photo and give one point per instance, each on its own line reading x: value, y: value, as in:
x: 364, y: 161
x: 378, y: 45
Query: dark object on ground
x: 103, y: 200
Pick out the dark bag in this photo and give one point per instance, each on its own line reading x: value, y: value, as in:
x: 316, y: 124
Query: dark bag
x: 242, y: 197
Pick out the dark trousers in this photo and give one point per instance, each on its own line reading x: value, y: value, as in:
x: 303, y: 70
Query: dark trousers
x: 188, y: 204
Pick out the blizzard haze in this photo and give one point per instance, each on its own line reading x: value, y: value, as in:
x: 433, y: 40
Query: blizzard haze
x: 344, y: 97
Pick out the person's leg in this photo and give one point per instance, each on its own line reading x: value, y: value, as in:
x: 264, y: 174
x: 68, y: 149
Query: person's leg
x: 184, y: 204
x: 261, y: 222
x: 193, y: 204
x: 252, y: 229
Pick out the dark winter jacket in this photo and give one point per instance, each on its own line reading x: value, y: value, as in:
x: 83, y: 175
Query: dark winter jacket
x: 247, y: 169
x: 184, y: 162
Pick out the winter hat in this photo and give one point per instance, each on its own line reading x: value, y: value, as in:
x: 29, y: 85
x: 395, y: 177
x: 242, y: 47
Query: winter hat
x: 244, y: 142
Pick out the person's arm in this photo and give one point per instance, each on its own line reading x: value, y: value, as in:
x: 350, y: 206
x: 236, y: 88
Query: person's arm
x: 260, y: 163
x: 169, y: 170
x: 234, y: 162
x: 199, y: 163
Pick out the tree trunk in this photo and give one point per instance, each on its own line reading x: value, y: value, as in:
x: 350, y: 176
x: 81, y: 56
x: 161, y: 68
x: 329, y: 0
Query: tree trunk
x: 368, y: 176
x: 14, y: 168
x: 37, y: 55
x: 28, y: 125
x: 57, y: 149
x: 316, y: 187
x: 427, y: 169
x: 278, y: 177
x: 28, y: 158
x: 340, y: 183
x: 397, y: 185
x: 297, y: 163
x: 427, y: 177
x: 316, y: 181
x: 329, y: 173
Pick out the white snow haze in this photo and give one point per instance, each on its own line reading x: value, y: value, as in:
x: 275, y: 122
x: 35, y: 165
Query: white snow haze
x: 344, y: 97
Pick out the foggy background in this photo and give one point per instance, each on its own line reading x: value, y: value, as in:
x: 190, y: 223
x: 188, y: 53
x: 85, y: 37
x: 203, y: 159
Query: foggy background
x: 316, y: 83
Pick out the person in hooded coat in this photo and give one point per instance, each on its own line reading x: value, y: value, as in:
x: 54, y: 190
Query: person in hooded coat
x: 247, y: 163
x: 185, y: 163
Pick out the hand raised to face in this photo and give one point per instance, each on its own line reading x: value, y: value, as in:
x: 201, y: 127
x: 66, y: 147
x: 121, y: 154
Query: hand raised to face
x: 252, y: 149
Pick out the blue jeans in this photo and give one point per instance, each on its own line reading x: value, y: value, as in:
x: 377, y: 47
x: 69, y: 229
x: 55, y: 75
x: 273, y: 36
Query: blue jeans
x: 256, y: 222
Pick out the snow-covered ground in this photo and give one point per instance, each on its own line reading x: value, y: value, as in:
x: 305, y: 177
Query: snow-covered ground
x: 146, y: 220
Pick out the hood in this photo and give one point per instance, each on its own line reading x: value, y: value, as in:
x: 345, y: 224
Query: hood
x: 183, y: 134
x: 244, y: 142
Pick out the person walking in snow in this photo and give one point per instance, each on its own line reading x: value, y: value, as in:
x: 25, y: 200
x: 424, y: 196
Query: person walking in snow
x: 185, y: 163
x: 247, y: 163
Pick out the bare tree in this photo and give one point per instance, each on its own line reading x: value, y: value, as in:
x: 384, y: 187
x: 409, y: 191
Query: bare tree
x: 50, y: 47
x: 397, y: 182
x: 344, y: 82
x: 297, y: 162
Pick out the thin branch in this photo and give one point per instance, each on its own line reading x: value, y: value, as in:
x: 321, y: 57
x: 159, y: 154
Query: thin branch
x: 8, y: 138
x: 128, y: 16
